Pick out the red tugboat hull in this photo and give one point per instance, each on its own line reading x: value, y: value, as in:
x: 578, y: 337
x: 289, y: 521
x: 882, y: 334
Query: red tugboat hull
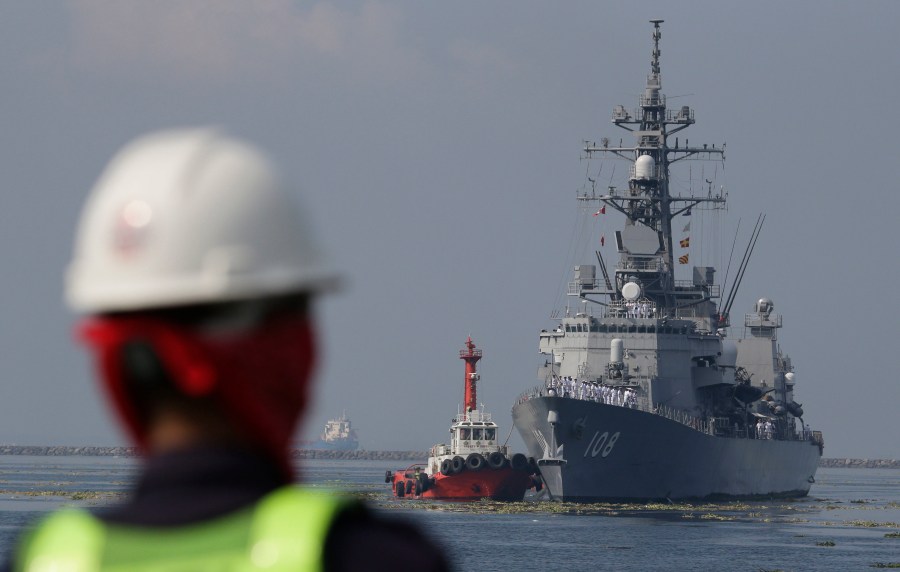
x: 506, y: 484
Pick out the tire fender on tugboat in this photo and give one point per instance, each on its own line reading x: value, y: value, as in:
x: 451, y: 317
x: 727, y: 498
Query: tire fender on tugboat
x: 475, y: 462
x: 496, y: 460
x: 519, y: 462
x: 458, y: 464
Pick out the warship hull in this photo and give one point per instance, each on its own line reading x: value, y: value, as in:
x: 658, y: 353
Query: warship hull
x: 612, y: 453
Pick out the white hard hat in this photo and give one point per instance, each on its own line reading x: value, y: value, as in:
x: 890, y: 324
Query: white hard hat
x: 190, y: 216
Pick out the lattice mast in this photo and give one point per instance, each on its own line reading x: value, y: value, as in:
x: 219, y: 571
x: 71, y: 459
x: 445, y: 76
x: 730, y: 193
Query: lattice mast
x: 648, y: 202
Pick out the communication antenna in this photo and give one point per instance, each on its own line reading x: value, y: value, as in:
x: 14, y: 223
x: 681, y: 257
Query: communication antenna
x: 739, y: 277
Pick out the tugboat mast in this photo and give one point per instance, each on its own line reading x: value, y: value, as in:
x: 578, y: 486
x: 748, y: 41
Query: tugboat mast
x: 645, y: 244
x: 471, y: 355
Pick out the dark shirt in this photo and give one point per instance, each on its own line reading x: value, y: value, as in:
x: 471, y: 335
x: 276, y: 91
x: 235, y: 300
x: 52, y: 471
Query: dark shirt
x: 195, y: 485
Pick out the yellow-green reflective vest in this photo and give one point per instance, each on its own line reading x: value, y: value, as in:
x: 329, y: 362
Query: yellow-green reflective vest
x: 286, y: 530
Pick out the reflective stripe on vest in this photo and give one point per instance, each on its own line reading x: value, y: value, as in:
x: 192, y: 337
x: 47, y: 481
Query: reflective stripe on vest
x: 286, y: 530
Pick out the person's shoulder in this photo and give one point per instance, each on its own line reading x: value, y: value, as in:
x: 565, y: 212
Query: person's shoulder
x: 58, y: 539
x: 360, y: 539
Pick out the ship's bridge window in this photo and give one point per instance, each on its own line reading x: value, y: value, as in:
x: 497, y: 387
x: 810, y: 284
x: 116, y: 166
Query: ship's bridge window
x: 490, y: 434
x: 477, y: 433
x: 464, y: 433
x: 568, y: 327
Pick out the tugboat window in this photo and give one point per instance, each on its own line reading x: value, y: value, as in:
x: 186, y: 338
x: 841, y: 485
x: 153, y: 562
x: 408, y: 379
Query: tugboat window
x: 477, y: 434
x: 489, y: 434
x: 464, y: 434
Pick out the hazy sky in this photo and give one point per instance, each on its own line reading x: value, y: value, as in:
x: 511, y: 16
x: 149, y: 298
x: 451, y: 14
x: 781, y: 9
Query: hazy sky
x: 438, y: 145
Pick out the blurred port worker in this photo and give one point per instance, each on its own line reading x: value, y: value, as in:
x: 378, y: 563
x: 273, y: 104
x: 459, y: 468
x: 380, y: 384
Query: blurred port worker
x: 196, y: 271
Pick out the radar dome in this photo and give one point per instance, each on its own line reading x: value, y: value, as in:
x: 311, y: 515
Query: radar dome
x: 789, y: 377
x: 764, y: 306
x: 631, y: 291
x: 644, y: 167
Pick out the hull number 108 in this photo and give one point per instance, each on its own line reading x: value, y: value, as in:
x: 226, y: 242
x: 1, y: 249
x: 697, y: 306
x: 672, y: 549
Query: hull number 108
x: 601, y: 444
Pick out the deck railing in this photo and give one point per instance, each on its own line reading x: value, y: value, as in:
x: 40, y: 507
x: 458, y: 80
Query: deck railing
x: 717, y: 426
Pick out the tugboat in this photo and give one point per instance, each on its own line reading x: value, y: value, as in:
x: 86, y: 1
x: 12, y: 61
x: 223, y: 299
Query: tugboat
x: 474, y: 466
x: 339, y: 435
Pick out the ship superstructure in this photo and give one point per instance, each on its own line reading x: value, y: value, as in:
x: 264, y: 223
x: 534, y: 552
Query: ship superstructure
x: 643, y: 394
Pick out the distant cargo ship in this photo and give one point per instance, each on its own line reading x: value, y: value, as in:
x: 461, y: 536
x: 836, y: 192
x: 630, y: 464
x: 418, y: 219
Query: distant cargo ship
x: 339, y: 435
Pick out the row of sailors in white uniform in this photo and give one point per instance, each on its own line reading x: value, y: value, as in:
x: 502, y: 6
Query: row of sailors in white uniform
x: 568, y: 386
x: 765, y: 429
x: 639, y: 309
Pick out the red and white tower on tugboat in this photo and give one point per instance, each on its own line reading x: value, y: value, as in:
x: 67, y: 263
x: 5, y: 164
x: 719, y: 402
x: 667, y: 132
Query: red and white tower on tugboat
x: 471, y: 355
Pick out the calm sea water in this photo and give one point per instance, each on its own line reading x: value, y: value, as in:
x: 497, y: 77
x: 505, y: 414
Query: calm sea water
x: 844, y: 524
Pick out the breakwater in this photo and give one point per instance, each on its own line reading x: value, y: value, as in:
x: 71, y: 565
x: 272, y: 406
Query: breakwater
x: 361, y: 454
x: 56, y: 450
x: 860, y: 463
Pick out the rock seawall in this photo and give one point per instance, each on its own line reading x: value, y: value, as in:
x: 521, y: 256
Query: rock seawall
x: 50, y: 451
x: 860, y: 463
x: 59, y: 451
x: 362, y: 455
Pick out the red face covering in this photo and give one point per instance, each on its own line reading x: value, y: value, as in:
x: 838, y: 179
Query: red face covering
x: 258, y: 377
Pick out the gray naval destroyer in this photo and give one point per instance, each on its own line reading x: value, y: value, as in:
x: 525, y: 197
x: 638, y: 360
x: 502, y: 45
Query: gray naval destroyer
x: 644, y: 395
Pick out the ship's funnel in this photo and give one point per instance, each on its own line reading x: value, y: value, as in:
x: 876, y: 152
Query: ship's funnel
x: 471, y: 355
